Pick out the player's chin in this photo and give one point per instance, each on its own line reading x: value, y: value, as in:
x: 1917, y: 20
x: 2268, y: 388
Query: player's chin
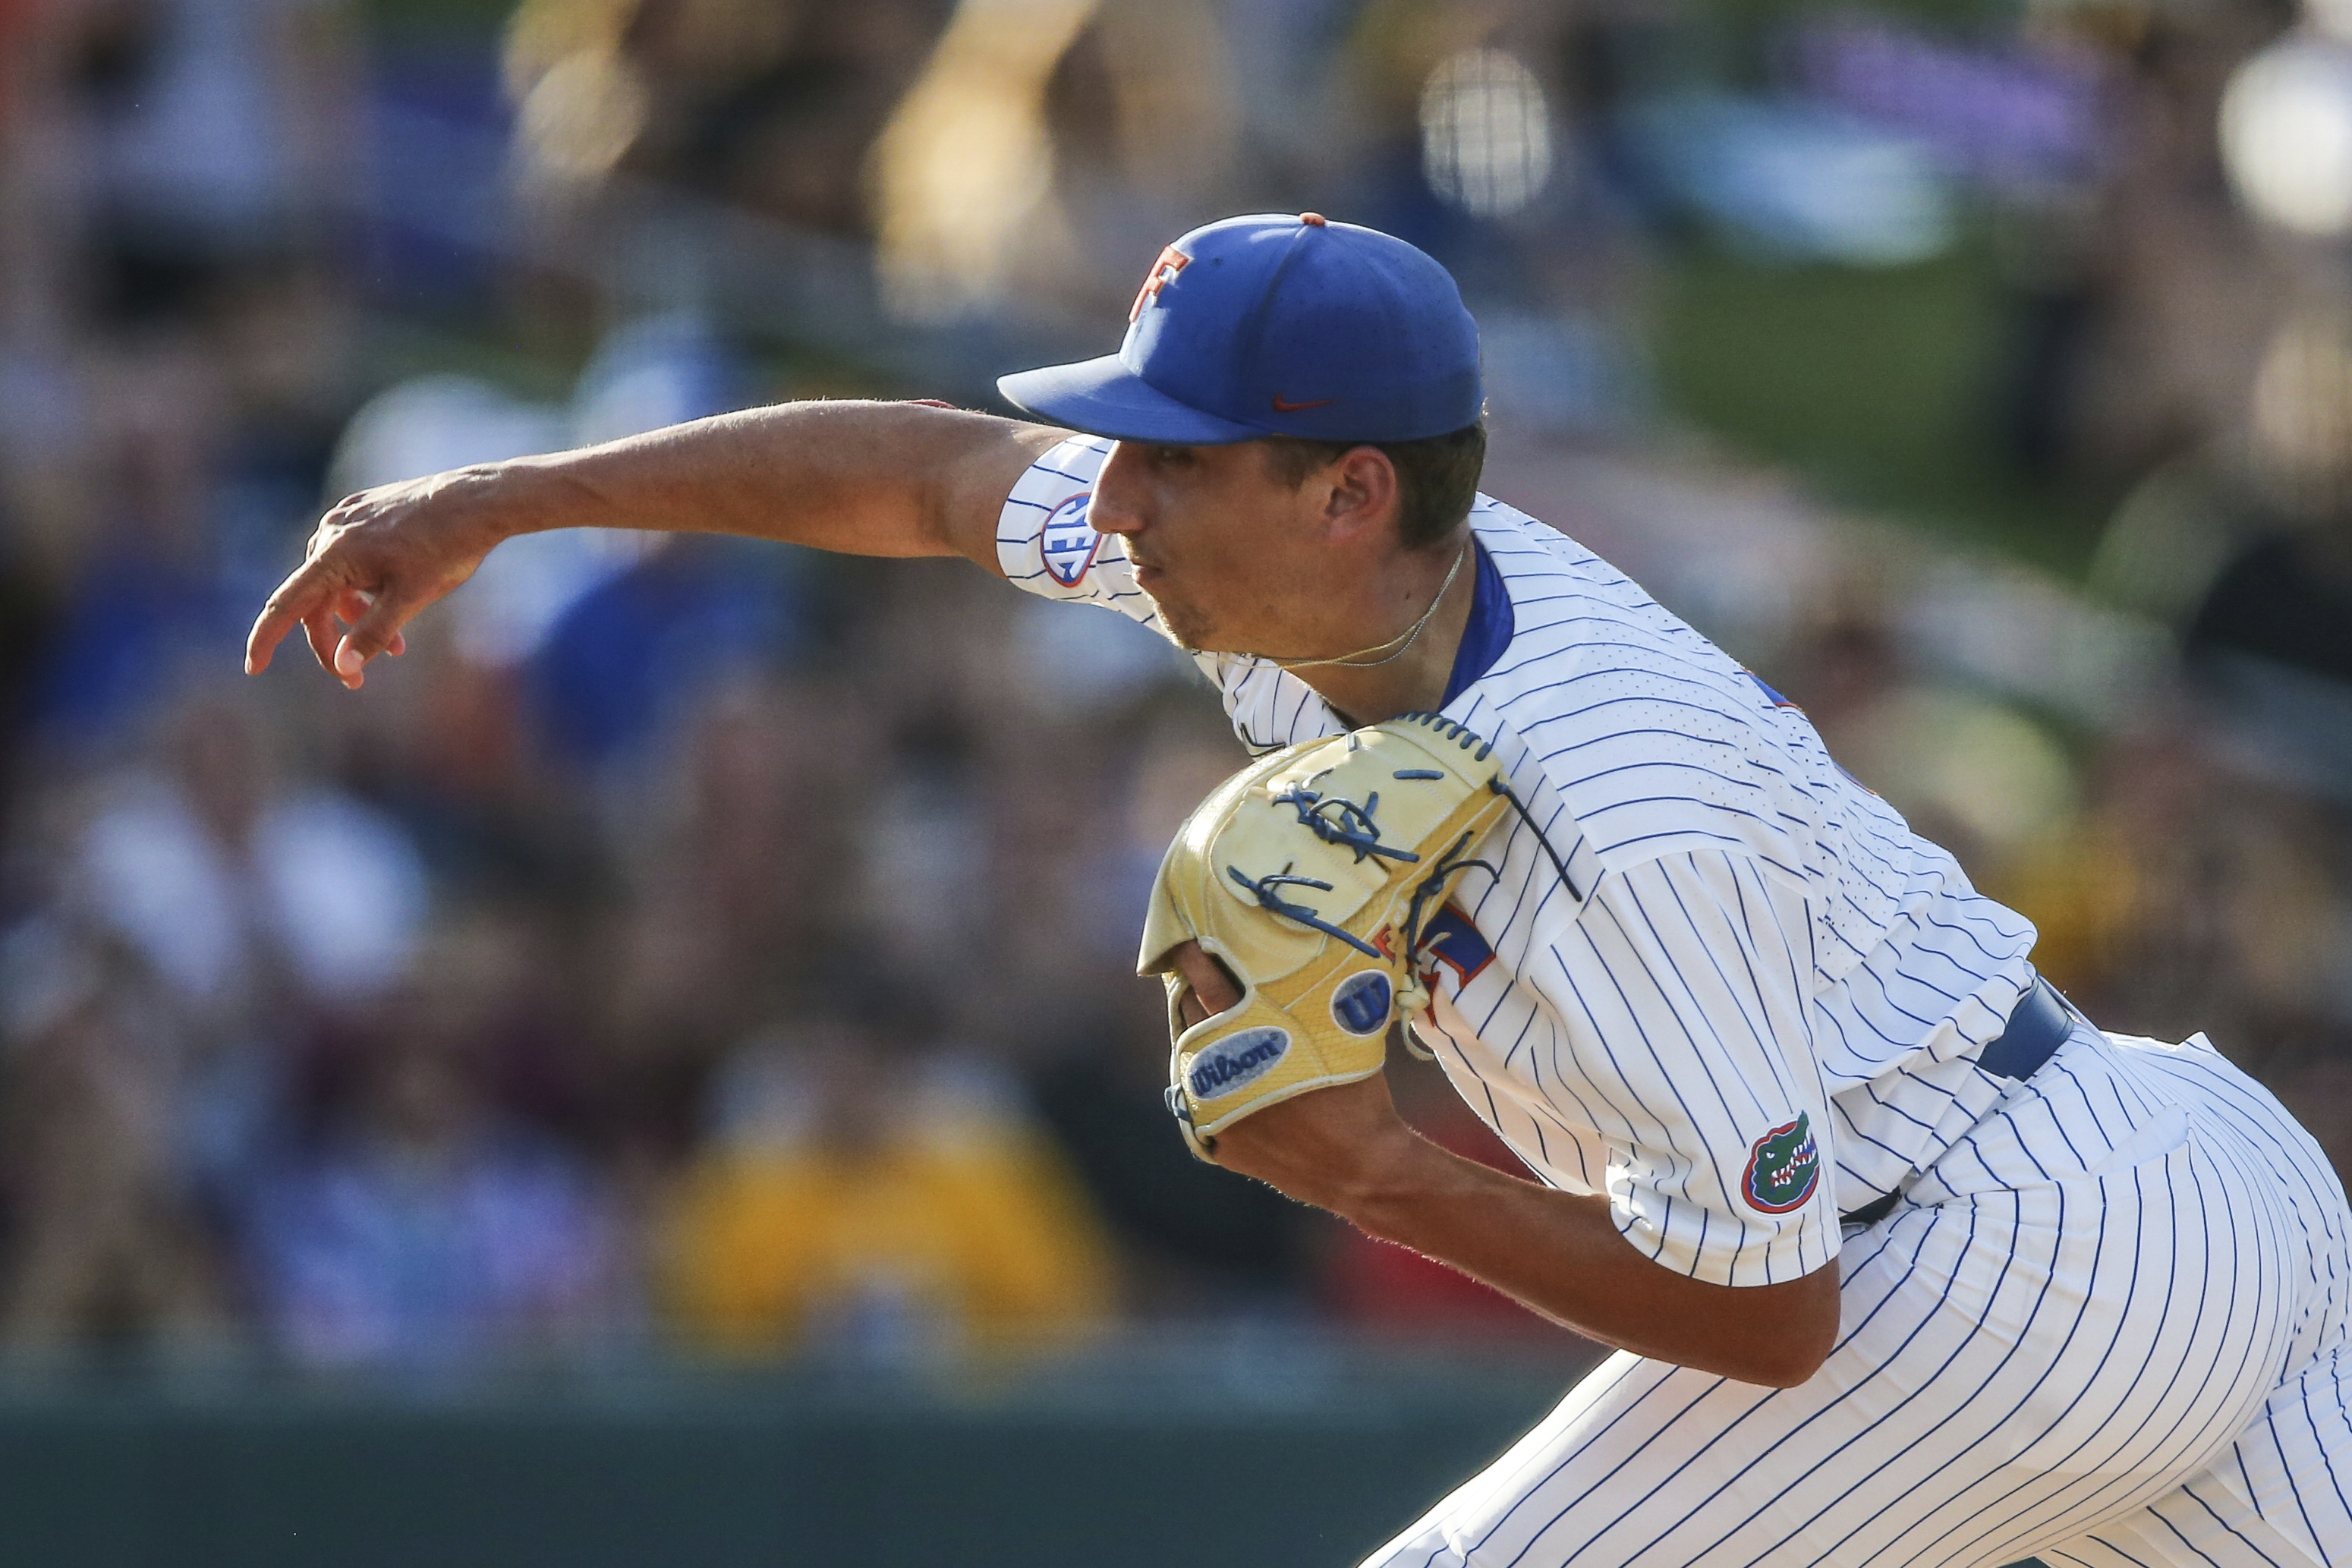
x: 1180, y: 625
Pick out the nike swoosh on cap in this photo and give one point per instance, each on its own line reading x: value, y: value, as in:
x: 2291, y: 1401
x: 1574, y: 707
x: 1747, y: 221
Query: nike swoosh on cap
x: 1284, y: 405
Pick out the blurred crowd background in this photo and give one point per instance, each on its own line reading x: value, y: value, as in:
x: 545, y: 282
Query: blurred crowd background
x: 708, y: 951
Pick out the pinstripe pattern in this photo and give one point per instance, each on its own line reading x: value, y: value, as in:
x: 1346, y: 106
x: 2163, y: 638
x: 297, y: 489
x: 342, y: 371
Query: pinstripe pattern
x: 2114, y: 1364
x: 2098, y: 1279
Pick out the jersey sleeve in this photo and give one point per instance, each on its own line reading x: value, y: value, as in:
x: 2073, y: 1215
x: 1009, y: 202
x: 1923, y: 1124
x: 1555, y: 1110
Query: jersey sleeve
x: 1683, y: 990
x: 1045, y: 544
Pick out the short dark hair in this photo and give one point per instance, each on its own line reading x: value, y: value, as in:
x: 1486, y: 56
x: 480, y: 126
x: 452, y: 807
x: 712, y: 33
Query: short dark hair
x: 1437, y: 476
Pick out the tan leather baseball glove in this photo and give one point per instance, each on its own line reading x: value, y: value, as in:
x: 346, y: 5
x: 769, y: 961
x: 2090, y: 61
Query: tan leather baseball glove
x: 1311, y: 874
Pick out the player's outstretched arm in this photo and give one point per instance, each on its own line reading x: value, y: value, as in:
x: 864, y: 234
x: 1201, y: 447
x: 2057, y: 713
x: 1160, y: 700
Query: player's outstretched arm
x: 868, y: 478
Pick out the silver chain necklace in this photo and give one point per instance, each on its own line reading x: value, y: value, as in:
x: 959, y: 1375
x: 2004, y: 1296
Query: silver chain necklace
x: 1395, y: 648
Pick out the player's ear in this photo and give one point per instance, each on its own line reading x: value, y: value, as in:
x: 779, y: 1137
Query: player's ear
x: 1363, y: 494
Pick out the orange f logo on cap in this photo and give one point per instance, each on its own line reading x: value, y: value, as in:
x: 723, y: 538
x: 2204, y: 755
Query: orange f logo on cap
x: 1163, y: 272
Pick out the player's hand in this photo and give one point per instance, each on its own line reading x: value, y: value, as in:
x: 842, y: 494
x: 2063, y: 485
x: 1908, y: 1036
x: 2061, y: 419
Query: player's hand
x: 1327, y: 1147
x: 1208, y: 990
x: 1320, y: 1147
x: 375, y: 560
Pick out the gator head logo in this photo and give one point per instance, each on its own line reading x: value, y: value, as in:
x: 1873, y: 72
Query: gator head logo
x: 1783, y: 1168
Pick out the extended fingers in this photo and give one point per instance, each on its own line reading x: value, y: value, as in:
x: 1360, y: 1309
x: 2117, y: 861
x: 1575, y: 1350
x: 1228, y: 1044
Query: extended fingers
x: 319, y: 629
x: 376, y: 630
x: 1211, y: 986
x: 298, y: 599
x: 352, y: 608
x: 318, y: 595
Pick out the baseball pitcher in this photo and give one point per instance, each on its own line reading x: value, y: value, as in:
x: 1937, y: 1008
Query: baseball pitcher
x: 1905, y: 1261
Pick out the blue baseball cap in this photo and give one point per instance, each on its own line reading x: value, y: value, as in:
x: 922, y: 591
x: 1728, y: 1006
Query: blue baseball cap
x: 1277, y: 325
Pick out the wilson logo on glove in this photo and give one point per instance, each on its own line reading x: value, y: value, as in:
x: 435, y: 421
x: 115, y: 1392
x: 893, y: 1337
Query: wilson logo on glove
x: 1236, y: 1062
x: 1364, y: 1003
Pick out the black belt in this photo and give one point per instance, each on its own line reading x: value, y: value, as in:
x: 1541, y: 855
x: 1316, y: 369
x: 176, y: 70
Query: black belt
x: 2032, y: 1035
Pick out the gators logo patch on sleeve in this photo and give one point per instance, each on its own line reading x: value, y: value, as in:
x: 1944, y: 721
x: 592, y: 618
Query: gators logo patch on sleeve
x: 1783, y: 1168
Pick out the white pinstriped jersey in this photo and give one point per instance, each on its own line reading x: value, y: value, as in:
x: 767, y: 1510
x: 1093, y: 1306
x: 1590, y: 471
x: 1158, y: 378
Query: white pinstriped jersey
x: 1747, y: 947
x: 2107, y: 1325
x: 2134, y: 1358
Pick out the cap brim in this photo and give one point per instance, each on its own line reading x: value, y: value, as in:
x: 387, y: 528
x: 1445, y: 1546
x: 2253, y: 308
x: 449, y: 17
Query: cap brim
x: 1103, y: 397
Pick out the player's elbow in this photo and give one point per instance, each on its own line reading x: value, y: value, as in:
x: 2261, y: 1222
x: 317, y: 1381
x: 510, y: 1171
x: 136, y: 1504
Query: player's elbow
x: 1787, y: 1343
x: 1788, y: 1366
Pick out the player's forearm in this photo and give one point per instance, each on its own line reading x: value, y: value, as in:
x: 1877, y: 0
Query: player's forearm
x: 1562, y: 1255
x: 868, y: 479
x: 871, y: 478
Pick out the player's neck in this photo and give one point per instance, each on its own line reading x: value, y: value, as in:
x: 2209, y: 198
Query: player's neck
x: 1416, y: 679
